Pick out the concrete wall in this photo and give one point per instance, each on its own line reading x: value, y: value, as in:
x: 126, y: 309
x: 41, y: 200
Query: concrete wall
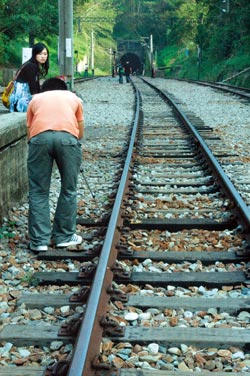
x: 7, y: 75
x: 13, y: 156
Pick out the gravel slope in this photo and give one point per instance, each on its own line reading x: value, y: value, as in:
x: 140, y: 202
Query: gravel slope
x: 107, y: 110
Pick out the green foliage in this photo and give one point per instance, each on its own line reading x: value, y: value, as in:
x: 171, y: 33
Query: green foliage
x: 53, y: 53
x: 25, y: 22
x: 29, y: 19
x: 29, y: 280
x: 222, y: 37
x: 181, y: 66
x: 7, y: 231
x: 97, y: 19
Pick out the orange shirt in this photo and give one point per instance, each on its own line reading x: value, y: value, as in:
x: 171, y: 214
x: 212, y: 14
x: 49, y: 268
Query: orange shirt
x: 57, y: 110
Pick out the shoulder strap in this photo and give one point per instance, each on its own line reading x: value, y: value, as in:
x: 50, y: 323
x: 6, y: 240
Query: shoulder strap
x: 19, y: 71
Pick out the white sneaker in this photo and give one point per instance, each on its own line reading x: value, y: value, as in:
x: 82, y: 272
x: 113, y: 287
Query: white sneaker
x: 75, y: 240
x: 38, y: 248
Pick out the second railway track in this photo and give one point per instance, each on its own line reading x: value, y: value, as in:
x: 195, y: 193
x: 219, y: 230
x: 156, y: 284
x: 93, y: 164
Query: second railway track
x: 169, y: 275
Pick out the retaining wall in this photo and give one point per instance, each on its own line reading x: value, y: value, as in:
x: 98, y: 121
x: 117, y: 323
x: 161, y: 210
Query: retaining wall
x: 7, y: 75
x: 13, y: 156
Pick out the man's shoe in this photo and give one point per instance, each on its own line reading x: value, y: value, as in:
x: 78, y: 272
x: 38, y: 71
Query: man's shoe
x: 38, y: 248
x: 75, y: 240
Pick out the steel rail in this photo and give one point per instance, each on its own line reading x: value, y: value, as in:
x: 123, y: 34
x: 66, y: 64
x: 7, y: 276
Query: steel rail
x: 226, y: 88
x: 221, y: 178
x: 80, y: 363
x: 242, y: 92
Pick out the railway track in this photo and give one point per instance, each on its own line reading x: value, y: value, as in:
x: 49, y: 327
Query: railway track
x: 242, y: 92
x: 166, y: 287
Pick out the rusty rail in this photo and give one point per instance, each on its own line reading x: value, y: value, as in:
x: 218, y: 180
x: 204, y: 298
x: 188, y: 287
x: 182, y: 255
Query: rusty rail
x: 241, y: 209
x: 89, y: 339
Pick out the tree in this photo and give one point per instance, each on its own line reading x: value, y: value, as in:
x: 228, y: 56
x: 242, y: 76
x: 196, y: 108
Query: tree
x: 28, y: 20
x: 98, y: 19
x: 224, y: 32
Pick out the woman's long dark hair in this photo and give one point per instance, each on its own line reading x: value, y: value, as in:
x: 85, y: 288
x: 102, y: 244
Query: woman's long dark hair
x: 37, y: 48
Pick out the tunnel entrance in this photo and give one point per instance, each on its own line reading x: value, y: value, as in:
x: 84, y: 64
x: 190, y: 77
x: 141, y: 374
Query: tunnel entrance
x: 133, y: 61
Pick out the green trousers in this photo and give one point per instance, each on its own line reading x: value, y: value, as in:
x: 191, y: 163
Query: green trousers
x: 44, y: 149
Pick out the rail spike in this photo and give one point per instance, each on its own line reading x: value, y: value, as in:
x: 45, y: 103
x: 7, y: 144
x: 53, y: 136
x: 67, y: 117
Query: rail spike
x: 71, y: 327
x: 116, y: 294
x: 60, y: 368
x: 245, y: 251
x: 81, y: 295
x: 111, y: 327
x: 120, y: 272
x: 98, y: 364
x: 123, y: 250
x: 87, y: 271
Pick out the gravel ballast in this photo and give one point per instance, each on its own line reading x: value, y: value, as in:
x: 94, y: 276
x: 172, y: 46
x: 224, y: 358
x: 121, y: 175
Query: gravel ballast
x: 108, y: 114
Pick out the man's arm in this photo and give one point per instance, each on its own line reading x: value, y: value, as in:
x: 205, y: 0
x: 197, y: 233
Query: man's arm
x: 29, y: 118
x: 81, y: 129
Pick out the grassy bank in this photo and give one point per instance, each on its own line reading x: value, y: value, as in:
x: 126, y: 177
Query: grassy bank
x: 183, y: 63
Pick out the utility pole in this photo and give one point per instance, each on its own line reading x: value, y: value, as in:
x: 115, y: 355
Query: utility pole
x: 152, y: 56
x: 65, y: 10
x: 114, y: 65
x: 92, y: 54
x: 225, y: 6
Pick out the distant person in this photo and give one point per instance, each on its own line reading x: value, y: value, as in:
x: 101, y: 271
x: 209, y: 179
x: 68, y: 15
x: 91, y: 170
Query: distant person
x: 55, y: 125
x: 153, y: 71
x: 127, y: 70
x: 120, y: 73
x: 143, y: 69
x: 86, y: 70
x: 28, y: 80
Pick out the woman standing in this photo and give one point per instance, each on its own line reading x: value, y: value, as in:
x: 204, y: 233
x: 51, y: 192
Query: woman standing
x: 27, y: 82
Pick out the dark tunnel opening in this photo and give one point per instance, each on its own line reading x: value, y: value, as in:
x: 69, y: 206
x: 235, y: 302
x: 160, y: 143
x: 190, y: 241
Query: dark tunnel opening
x: 133, y: 61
